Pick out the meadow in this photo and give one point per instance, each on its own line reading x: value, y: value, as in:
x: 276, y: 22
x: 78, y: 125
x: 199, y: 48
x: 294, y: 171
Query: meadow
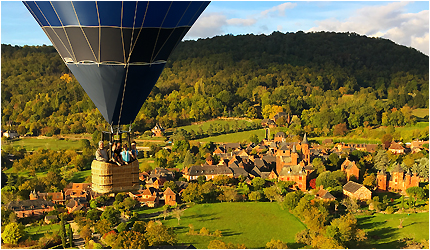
x: 250, y: 223
x: 383, y: 229
x: 32, y: 144
x: 234, y: 137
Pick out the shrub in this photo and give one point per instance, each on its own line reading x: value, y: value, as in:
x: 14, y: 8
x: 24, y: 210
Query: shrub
x: 389, y: 210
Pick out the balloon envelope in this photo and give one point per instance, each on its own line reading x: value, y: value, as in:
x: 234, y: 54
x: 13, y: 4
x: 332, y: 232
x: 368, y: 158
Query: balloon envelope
x: 116, y: 50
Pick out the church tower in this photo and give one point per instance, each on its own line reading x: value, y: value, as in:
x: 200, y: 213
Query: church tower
x: 305, y: 150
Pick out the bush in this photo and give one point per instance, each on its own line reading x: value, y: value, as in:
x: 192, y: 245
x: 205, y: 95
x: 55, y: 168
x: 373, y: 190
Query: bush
x: 389, y: 210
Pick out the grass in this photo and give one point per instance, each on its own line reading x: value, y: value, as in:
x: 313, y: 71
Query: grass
x: 420, y: 112
x: 80, y: 176
x: 205, y: 125
x: 383, y: 232
x: 234, y: 137
x: 250, y: 223
x: 37, y: 232
x: 31, y: 144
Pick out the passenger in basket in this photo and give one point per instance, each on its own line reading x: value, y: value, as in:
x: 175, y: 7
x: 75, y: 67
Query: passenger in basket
x: 134, y: 151
x: 126, y: 154
x: 116, y: 156
x: 101, y: 153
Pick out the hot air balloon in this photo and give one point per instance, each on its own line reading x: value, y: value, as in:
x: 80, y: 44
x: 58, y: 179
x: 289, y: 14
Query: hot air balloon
x: 116, y: 50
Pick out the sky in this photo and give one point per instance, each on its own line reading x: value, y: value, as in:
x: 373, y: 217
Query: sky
x: 405, y: 23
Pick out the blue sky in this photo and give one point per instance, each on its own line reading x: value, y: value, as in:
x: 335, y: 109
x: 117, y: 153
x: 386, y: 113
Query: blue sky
x: 405, y: 23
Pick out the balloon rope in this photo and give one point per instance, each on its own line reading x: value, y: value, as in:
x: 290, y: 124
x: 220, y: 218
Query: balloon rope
x: 65, y: 33
x: 156, y: 40
x: 123, y: 93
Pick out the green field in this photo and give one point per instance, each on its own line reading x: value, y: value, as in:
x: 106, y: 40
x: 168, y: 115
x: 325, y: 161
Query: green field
x: 383, y: 232
x: 234, y: 137
x: 205, y: 125
x: 250, y: 223
x: 37, y: 232
x: 31, y: 144
x: 80, y: 176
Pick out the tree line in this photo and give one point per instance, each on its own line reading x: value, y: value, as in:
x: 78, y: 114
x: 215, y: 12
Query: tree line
x: 326, y: 78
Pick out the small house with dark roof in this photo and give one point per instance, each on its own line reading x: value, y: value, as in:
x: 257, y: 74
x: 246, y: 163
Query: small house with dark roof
x: 324, y: 195
x: 74, y: 205
x: 280, y: 136
x: 29, y: 208
x: 396, y: 148
x: 356, y: 191
x: 158, y: 130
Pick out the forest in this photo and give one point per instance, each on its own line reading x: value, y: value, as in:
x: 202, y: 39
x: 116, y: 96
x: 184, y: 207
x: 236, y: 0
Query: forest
x: 329, y: 80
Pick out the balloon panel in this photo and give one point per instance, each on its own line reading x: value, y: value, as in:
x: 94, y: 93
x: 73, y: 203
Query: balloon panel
x: 116, y: 50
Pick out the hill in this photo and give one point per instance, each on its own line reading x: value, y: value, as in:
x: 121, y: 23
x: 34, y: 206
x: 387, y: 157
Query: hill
x: 313, y: 75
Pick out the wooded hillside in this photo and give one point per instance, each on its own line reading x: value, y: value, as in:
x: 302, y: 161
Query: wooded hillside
x: 325, y: 78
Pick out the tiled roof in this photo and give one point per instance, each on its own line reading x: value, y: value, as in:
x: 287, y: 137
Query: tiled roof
x: 209, y: 170
x: 352, y: 187
x: 28, y: 204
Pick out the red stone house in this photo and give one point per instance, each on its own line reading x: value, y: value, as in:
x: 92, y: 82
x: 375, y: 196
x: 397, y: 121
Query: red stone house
x: 148, y: 197
x: 169, y: 197
x: 397, y: 180
x: 350, y: 168
x: 29, y: 208
x: 356, y: 191
x: 57, y: 197
x: 297, y: 174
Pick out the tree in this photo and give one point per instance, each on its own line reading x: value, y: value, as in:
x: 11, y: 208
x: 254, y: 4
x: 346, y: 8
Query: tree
x: 255, y: 196
x: 254, y: 139
x: 86, y: 233
x: 188, y: 159
x: 158, y: 234
x: 292, y: 199
x: 111, y: 215
x: 416, y: 193
x: 340, y: 129
x: 271, y: 193
x: 221, y: 180
x: 70, y: 235
x: 192, y: 193
x: 350, y: 204
x: 129, y: 203
x: 276, y: 244
x: 94, y: 214
x: 386, y: 140
x: 201, y: 179
x: 139, y: 226
x: 228, y: 194
x: 370, y: 181
x: 130, y: 240
x: 178, y: 213
x: 258, y: 183
x: 12, y: 233
x: 325, y: 179
x: 63, y: 232
x: 218, y: 244
x: 344, y: 230
x: 381, y: 160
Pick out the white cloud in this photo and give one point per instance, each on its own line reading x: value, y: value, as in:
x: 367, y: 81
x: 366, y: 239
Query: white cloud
x: 279, y: 28
x: 388, y: 21
x: 208, y: 25
x: 241, y: 21
x: 279, y: 8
